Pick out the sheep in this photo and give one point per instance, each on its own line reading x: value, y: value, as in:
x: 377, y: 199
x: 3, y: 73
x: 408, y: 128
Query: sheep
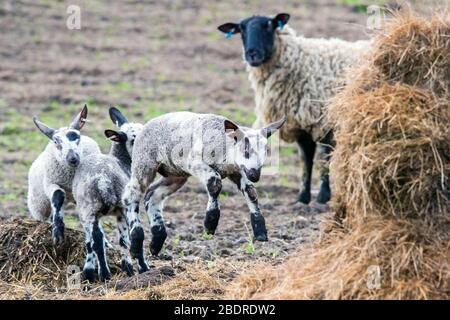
x: 97, y: 189
x: 51, y: 174
x: 182, y: 144
x: 295, y: 76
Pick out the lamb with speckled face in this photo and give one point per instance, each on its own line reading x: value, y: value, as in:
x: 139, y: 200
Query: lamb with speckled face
x: 294, y: 76
x: 97, y: 189
x: 183, y: 144
x: 51, y: 175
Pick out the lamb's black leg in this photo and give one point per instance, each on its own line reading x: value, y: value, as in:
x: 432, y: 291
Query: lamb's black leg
x: 308, y: 149
x: 325, y: 155
x: 98, y: 245
x: 154, y: 198
x: 251, y: 196
x: 58, y: 198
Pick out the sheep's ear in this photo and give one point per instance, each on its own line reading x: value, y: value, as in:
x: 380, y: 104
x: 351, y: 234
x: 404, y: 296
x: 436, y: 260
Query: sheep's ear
x: 79, y: 121
x: 115, y: 136
x: 233, y: 131
x: 117, y: 117
x: 281, y: 19
x: 229, y: 28
x: 44, y: 128
x: 271, y: 128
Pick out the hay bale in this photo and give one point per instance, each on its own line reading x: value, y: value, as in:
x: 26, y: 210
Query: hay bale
x: 391, y: 170
x: 27, y: 254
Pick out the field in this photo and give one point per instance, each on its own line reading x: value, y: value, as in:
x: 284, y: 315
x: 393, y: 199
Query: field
x: 149, y: 58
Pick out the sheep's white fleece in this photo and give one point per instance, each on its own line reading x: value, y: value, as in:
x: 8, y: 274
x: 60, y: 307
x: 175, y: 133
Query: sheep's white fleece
x: 302, y: 74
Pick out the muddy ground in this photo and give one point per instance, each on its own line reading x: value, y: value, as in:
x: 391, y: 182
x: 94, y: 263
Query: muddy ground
x: 151, y: 57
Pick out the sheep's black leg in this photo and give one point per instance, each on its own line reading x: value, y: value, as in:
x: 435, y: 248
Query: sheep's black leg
x: 57, y: 203
x: 153, y: 201
x: 325, y: 155
x: 124, y: 243
x: 308, y: 149
x: 98, y: 245
x: 251, y: 196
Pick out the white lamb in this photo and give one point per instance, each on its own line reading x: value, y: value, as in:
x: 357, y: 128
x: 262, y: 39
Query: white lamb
x: 97, y: 189
x: 51, y: 175
x: 183, y: 144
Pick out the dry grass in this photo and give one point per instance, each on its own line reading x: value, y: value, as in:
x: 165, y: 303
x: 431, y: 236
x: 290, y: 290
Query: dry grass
x: 32, y: 268
x: 391, y: 170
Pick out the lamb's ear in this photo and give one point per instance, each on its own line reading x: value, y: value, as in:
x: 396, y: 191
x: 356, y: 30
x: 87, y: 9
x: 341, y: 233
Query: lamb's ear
x: 281, y: 19
x: 115, y: 136
x: 117, y: 117
x: 271, y: 128
x: 79, y: 121
x: 44, y: 128
x: 233, y: 131
x: 229, y: 28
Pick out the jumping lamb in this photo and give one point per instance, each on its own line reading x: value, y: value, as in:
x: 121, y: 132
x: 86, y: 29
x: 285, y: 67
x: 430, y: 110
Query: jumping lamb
x: 183, y: 144
x: 295, y: 76
x: 97, y: 189
x: 51, y: 175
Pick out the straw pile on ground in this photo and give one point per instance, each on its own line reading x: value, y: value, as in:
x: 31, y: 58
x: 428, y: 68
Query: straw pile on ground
x: 27, y: 254
x: 390, y: 237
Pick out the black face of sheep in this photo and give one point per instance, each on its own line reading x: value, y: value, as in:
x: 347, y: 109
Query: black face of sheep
x: 258, y: 36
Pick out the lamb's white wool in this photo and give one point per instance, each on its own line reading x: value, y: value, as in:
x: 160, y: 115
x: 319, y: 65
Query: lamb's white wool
x: 298, y: 80
x: 183, y: 144
x: 97, y: 186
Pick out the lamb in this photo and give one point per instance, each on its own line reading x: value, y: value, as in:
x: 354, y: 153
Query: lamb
x: 97, y: 189
x: 295, y: 76
x: 51, y: 174
x: 183, y: 144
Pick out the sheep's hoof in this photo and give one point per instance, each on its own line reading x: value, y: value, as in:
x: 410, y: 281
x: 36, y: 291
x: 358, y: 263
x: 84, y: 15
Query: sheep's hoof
x: 159, y: 236
x: 323, y: 196
x: 89, y: 274
x: 127, y: 268
x: 305, y: 197
x: 104, y: 275
x: 261, y: 237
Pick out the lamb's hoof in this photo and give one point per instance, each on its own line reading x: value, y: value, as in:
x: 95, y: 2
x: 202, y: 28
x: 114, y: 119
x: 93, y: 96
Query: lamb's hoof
x: 304, y: 197
x: 143, y: 267
x: 127, y: 267
x: 261, y: 237
x: 104, y: 275
x: 137, y: 242
x: 324, y: 196
x: 211, y: 220
x: 159, y: 236
x: 89, y: 274
x: 58, y: 235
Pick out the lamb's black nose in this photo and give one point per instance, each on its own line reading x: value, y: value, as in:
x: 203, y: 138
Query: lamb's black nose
x: 73, y: 159
x: 253, y: 174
